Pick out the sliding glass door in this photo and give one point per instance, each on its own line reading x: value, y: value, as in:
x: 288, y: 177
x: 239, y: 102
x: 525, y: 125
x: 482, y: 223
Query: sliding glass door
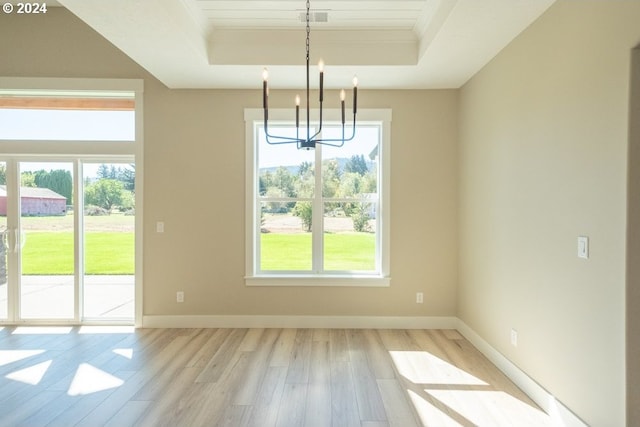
x: 67, y: 246
x: 46, y: 241
x: 108, y: 241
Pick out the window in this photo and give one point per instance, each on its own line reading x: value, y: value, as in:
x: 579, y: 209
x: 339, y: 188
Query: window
x: 54, y: 115
x: 318, y: 217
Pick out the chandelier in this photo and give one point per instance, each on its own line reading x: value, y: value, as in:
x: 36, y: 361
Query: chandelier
x: 309, y: 142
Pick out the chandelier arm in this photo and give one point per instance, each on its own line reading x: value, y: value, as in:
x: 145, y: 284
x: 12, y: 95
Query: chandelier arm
x: 284, y: 139
x: 327, y: 141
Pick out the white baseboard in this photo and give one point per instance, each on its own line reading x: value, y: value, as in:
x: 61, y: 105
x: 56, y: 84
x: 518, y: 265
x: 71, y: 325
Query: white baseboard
x: 560, y: 415
x: 344, y: 322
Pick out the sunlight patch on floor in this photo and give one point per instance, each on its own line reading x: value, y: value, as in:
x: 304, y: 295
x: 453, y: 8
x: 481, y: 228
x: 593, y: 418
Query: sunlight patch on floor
x: 124, y: 352
x: 429, y: 414
x: 490, y: 408
x: 421, y: 367
x: 10, y: 356
x: 31, y: 375
x: 106, y: 330
x: 42, y: 330
x: 89, y: 379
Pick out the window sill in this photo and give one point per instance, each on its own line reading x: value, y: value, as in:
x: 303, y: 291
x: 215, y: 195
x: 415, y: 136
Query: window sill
x: 319, y: 280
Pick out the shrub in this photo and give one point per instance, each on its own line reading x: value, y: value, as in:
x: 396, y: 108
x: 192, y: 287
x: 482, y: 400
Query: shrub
x: 92, y: 210
x: 360, y: 217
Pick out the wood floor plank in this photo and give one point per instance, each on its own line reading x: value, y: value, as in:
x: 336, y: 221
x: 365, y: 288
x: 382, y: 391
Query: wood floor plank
x: 284, y: 347
x: 129, y: 414
x: 379, y: 359
x: 256, y: 370
x: 202, y: 357
x: 318, y: 405
x: 300, y: 361
x: 164, y: 405
x: 219, y: 362
x: 398, y: 409
x: 160, y: 382
x: 344, y: 404
x: 292, y: 406
x: 267, y: 403
x: 370, y: 404
x: 339, y: 351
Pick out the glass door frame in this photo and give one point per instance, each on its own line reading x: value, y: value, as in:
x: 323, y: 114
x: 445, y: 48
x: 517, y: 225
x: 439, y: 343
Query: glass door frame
x: 14, y: 152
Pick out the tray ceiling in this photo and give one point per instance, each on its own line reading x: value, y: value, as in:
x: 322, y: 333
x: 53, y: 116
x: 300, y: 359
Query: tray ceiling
x: 399, y: 44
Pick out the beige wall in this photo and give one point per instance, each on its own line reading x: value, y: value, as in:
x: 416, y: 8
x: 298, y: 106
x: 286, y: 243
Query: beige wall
x: 543, y: 157
x: 200, y: 134
x: 194, y: 182
x: 633, y: 248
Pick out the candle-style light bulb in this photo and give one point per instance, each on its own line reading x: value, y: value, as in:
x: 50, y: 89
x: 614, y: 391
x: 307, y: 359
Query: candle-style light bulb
x: 321, y: 68
x: 342, y: 104
x: 298, y: 100
x: 297, y: 111
x: 265, y: 89
x: 355, y: 95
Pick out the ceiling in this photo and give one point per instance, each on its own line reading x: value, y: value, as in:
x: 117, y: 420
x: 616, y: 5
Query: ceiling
x: 394, y: 44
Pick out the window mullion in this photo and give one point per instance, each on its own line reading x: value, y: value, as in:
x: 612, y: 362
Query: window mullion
x: 317, y: 225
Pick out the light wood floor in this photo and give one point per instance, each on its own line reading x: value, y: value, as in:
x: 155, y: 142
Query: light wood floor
x: 252, y: 377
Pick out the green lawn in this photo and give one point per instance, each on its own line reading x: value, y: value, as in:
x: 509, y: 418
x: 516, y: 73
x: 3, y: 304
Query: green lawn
x: 52, y: 253
x: 343, y: 251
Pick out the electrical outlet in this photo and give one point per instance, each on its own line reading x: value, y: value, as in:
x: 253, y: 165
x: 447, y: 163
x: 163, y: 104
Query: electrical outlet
x: 514, y: 337
x: 419, y: 298
x: 180, y: 296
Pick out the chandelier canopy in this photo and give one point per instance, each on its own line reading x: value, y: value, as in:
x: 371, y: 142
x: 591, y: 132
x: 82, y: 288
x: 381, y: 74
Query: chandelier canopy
x: 309, y: 142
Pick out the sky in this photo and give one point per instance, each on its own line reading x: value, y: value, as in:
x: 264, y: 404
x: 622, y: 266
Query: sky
x: 69, y: 125
x: 364, y: 142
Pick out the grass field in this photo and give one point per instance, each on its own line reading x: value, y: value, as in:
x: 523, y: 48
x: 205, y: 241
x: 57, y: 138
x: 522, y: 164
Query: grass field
x: 342, y: 251
x: 51, y: 253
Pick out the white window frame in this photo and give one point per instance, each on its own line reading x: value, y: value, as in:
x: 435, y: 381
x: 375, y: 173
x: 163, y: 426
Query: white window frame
x: 253, y: 275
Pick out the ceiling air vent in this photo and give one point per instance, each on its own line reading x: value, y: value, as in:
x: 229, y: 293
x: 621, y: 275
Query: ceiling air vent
x: 315, y: 17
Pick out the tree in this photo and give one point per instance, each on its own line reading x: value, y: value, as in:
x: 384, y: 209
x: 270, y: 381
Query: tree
x: 283, y: 180
x: 27, y: 179
x: 105, y: 193
x: 3, y: 174
x: 59, y: 180
x: 330, y: 177
x: 128, y: 177
x: 357, y: 164
x: 103, y: 171
x: 304, y: 210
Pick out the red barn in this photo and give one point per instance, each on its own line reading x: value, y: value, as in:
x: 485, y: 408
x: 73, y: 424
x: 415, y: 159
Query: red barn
x: 36, y: 202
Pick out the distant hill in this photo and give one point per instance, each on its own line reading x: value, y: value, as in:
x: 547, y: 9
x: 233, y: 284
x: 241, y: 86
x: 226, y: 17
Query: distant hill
x: 293, y: 169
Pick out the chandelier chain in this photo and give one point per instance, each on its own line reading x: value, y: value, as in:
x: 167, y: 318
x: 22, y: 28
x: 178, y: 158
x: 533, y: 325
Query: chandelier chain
x: 308, y: 28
